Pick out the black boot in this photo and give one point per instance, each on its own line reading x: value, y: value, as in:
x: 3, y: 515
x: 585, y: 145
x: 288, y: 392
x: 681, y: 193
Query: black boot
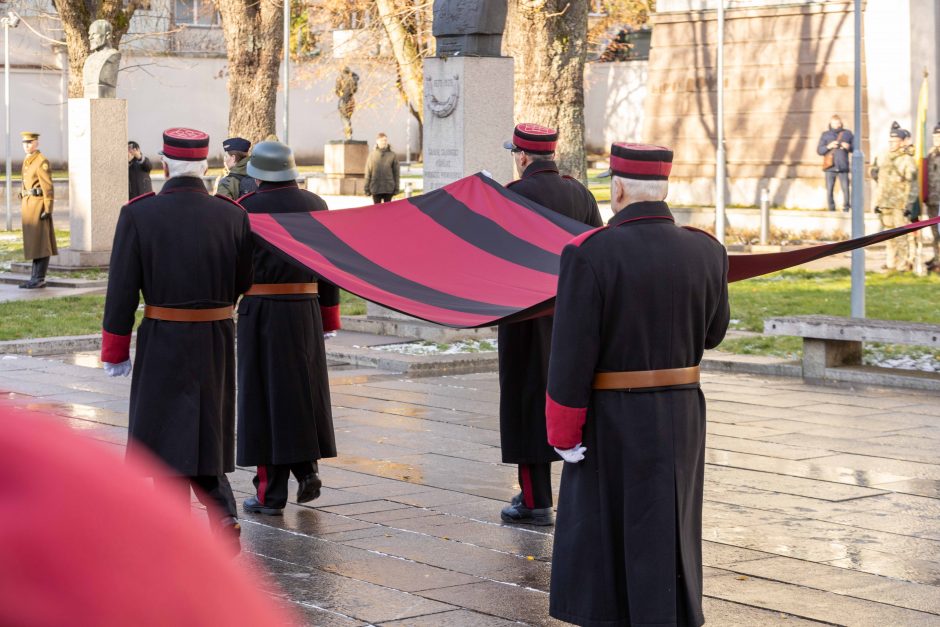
x: 38, y: 279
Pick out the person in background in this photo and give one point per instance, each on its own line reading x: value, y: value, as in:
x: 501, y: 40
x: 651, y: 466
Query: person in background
x: 835, y: 144
x: 933, y: 197
x: 235, y: 182
x: 895, y: 171
x: 36, y: 210
x: 382, y: 171
x: 138, y: 172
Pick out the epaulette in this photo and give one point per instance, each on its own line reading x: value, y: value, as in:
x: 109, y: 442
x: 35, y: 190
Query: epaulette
x: 136, y: 198
x: 580, y: 239
x: 241, y: 198
x: 227, y: 199
x: 692, y: 228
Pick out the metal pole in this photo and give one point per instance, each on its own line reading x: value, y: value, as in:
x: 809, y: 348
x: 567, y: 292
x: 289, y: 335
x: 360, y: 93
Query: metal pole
x: 720, y: 175
x: 287, y: 71
x: 764, y: 216
x: 6, y: 103
x: 858, y: 179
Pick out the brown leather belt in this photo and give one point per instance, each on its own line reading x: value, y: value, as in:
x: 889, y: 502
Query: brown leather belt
x: 281, y: 289
x: 188, y: 315
x: 640, y: 379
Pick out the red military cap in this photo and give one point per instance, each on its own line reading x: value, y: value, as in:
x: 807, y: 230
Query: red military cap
x: 533, y: 138
x: 640, y: 161
x: 185, y: 144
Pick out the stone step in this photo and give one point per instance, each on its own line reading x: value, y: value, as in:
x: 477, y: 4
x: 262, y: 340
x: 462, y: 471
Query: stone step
x: 413, y: 328
x: 15, y: 278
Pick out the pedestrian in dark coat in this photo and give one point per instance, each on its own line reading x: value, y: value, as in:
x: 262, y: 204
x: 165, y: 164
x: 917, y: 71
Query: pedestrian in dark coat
x: 638, y: 303
x: 138, y: 172
x: 285, y: 423
x: 837, y: 143
x: 190, y: 255
x: 382, y: 180
x: 524, y: 346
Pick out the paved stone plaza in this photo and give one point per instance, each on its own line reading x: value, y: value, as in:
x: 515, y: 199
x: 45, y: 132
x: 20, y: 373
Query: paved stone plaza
x: 821, y: 505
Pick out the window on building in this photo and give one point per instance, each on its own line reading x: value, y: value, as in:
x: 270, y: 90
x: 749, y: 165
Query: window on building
x: 196, y: 13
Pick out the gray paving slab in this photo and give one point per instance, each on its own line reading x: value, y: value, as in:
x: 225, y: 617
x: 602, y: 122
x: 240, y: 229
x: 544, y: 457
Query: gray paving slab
x: 821, y: 504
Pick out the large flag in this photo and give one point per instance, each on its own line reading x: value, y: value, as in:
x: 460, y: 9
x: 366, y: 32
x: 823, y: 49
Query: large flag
x: 470, y: 254
x: 920, y: 147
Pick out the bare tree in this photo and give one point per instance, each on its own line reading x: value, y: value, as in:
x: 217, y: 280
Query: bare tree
x: 400, y: 19
x: 254, y: 40
x: 77, y: 16
x: 548, y: 39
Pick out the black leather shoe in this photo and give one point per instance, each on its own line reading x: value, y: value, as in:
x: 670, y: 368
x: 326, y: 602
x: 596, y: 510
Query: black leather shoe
x: 308, y: 488
x: 516, y: 500
x: 253, y: 505
x: 35, y: 285
x: 521, y: 515
x: 26, y: 284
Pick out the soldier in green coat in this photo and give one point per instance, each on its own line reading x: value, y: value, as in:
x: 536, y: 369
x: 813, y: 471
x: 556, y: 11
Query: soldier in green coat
x: 235, y: 183
x: 896, y: 174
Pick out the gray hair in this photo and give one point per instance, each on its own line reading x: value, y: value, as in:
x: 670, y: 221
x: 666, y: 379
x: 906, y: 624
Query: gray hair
x: 640, y: 190
x: 185, y: 168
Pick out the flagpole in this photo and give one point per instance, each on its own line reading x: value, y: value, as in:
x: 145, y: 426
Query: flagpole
x: 858, y: 179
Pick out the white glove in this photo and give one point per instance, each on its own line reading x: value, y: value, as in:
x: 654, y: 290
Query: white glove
x: 572, y: 455
x: 117, y: 370
x: 329, y: 334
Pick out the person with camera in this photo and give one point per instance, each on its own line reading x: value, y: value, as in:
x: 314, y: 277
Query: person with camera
x: 138, y: 172
x: 835, y: 144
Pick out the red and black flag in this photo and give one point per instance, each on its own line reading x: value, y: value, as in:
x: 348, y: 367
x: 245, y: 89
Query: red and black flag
x: 470, y: 254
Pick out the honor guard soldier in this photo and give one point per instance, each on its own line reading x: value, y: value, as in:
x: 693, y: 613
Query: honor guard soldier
x: 933, y: 197
x: 285, y: 423
x: 638, y: 302
x: 36, y: 210
x: 524, y: 346
x: 896, y: 173
x: 190, y: 255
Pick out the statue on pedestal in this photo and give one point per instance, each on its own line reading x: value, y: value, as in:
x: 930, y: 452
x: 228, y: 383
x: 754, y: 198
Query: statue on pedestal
x: 473, y: 28
x: 99, y: 74
x: 346, y: 86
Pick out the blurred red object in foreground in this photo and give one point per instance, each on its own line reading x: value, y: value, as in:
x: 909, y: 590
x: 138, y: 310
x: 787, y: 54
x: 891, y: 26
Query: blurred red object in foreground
x: 85, y: 540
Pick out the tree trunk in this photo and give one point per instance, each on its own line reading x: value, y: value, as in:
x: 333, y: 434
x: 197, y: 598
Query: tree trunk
x: 407, y: 57
x: 548, y: 39
x: 254, y: 43
x: 77, y: 16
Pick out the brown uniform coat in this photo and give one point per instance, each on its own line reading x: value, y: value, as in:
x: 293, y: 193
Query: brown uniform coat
x: 38, y: 235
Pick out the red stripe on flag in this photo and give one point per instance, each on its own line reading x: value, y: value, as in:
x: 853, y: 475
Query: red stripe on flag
x: 526, y: 225
x: 442, y: 260
x: 268, y: 228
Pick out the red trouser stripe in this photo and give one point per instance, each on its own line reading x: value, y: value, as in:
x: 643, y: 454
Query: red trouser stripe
x: 262, y: 483
x: 525, y: 478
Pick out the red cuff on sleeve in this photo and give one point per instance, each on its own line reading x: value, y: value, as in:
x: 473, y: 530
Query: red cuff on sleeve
x: 115, y: 349
x: 563, y: 423
x: 330, y: 317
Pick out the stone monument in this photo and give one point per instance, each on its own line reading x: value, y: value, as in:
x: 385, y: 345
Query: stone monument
x: 468, y: 94
x: 344, y: 160
x: 97, y: 156
x: 468, y: 109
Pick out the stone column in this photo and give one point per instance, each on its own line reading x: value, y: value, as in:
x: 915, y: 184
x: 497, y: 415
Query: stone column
x: 467, y: 116
x: 97, y: 179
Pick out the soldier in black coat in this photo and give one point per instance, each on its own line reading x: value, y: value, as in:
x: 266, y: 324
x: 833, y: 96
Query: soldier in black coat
x: 285, y: 423
x: 190, y: 256
x: 524, y: 346
x: 638, y: 303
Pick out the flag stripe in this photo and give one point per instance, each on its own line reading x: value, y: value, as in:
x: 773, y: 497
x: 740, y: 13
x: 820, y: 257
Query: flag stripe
x: 313, y: 234
x: 465, y: 253
x: 293, y: 251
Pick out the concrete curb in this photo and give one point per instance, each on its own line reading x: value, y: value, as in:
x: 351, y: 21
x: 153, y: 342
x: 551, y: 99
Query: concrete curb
x: 15, y: 279
x: 51, y: 345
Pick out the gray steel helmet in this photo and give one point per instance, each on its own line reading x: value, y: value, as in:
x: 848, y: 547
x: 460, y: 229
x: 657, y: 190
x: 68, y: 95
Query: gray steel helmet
x: 272, y: 162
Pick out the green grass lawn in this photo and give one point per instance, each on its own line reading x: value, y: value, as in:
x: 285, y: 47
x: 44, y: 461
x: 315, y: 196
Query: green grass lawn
x: 81, y: 315
x: 794, y: 292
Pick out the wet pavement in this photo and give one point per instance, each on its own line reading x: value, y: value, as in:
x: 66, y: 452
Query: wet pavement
x: 821, y: 504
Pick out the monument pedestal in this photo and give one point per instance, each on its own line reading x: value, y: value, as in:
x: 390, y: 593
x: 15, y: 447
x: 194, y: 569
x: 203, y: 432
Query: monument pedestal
x: 344, y: 169
x: 467, y: 117
x: 97, y: 179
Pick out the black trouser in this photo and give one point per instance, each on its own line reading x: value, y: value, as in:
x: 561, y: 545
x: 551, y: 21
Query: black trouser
x: 830, y: 189
x: 213, y: 492
x: 536, y: 483
x: 40, y: 266
x: 377, y: 198
x: 271, y: 481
